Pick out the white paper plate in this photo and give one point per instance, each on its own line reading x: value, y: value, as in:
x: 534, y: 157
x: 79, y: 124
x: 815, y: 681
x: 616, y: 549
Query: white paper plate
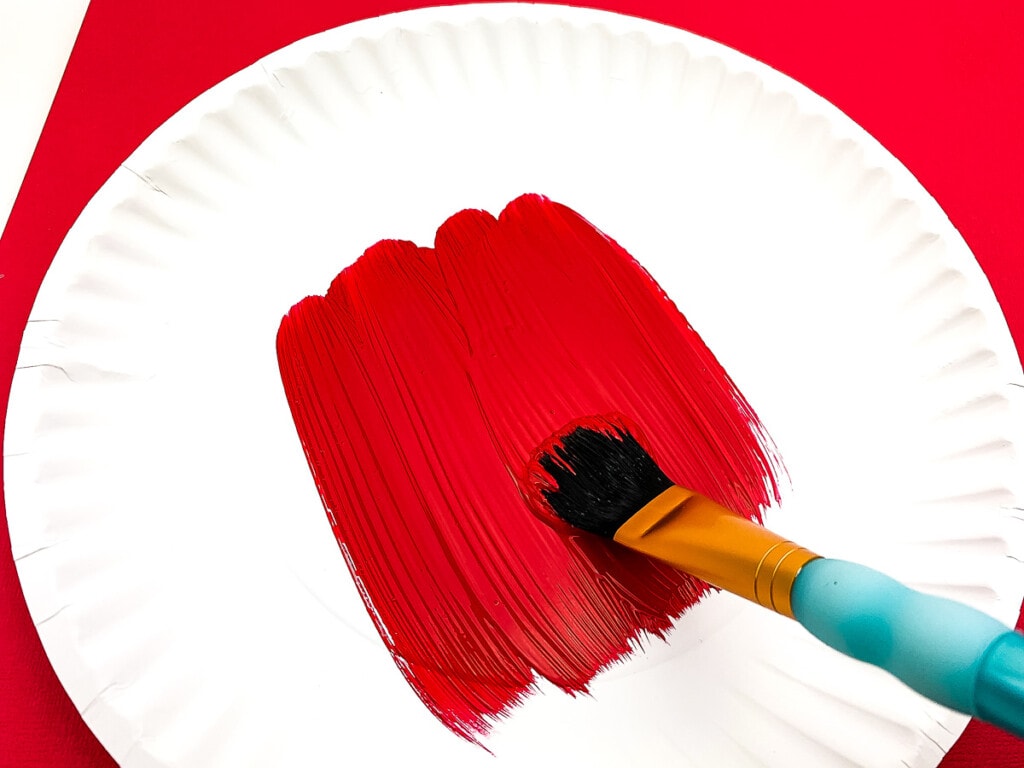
x: 169, y: 538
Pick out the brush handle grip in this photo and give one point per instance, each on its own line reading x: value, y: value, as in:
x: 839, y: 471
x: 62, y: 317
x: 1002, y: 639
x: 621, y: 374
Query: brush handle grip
x: 955, y: 655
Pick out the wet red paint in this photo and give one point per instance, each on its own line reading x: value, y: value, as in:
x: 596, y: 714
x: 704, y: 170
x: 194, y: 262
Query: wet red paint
x: 421, y: 384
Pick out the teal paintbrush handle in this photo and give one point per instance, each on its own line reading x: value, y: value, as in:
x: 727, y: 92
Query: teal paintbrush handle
x: 953, y: 654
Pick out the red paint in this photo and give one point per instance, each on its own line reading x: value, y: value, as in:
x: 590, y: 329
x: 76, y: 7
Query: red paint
x: 421, y: 384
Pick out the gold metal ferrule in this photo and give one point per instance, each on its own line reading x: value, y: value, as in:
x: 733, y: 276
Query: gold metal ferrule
x: 696, y: 535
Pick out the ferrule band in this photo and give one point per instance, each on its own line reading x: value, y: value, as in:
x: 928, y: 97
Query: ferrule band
x: 696, y: 535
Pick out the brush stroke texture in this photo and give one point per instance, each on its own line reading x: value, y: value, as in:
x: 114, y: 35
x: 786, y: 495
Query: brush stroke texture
x: 421, y: 384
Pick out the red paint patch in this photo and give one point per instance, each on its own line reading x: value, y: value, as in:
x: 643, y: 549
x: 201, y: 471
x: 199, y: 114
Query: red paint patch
x: 421, y: 384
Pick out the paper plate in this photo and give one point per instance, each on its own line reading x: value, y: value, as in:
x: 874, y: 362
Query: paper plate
x: 171, y: 544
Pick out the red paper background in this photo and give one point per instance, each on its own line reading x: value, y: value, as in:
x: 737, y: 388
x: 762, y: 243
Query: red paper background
x: 939, y: 84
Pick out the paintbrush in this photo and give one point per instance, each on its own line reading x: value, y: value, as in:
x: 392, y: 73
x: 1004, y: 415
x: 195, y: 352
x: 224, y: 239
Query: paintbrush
x: 595, y: 475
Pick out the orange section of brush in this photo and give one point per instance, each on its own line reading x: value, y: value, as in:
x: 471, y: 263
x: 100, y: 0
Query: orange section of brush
x: 696, y: 535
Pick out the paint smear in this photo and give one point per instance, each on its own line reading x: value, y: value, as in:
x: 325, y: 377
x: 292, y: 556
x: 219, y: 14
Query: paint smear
x: 421, y: 384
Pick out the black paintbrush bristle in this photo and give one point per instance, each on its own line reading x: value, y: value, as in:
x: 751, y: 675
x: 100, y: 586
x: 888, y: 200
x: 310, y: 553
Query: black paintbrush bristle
x: 595, y: 475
